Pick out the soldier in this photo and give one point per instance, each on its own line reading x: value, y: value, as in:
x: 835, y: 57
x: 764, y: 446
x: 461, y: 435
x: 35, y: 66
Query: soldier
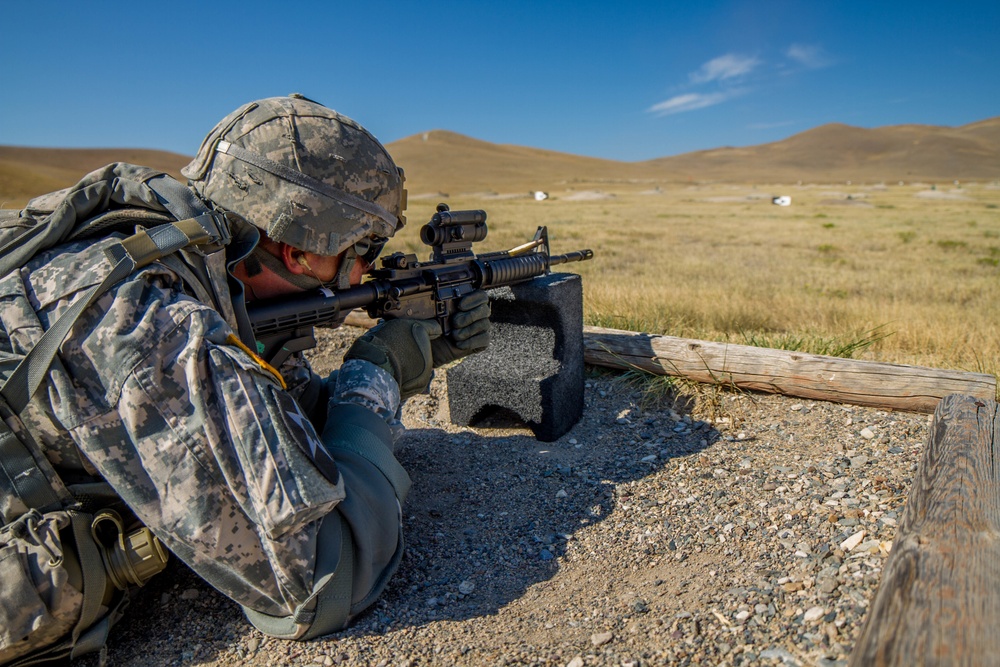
x: 278, y: 487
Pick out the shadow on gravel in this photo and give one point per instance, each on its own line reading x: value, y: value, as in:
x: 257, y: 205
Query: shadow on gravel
x: 488, y: 517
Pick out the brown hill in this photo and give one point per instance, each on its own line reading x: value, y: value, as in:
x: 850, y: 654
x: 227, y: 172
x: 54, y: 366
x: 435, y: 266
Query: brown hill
x: 441, y: 161
x: 837, y: 152
x: 446, y: 162
x: 27, y: 172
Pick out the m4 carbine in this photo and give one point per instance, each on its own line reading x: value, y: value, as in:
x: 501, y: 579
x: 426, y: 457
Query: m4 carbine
x: 405, y: 287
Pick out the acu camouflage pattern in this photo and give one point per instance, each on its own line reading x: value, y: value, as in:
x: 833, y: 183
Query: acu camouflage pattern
x: 40, y: 598
x: 201, y: 443
x: 365, y: 384
x: 298, y: 134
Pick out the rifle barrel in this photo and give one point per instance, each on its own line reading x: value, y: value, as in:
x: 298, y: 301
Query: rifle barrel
x: 575, y: 256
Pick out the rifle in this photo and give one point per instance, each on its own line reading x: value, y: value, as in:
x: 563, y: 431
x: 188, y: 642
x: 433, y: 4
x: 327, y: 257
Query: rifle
x: 405, y: 287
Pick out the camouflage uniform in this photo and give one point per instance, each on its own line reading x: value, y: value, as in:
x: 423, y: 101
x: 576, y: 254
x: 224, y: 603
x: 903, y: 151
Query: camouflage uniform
x: 200, y: 441
x: 155, y: 393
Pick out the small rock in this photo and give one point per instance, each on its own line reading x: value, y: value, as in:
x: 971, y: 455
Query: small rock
x: 466, y: 587
x: 778, y: 654
x: 867, y: 433
x: 601, y: 638
x: 852, y: 541
x: 796, y: 407
x: 575, y: 662
x: 561, y: 493
x: 253, y: 644
x: 869, y: 546
x: 190, y: 594
x: 813, y: 614
x: 827, y: 584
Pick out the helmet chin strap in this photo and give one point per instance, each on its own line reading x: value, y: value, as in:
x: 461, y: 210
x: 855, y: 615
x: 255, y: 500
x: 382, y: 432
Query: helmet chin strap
x: 343, y: 277
x: 277, y: 267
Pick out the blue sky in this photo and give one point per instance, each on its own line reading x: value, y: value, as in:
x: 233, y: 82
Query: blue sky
x: 619, y: 80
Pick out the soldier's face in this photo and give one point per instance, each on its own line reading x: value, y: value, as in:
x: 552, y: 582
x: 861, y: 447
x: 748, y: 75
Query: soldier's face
x: 324, y: 268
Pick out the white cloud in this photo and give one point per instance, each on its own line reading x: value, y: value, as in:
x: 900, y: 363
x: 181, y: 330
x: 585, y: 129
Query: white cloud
x: 808, y: 55
x: 723, y: 74
x: 688, y: 102
x: 725, y: 67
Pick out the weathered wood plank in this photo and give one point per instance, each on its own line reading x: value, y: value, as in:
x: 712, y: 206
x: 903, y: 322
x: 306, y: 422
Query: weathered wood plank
x: 869, y: 383
x: 938, y: 602
x: 812, y: 376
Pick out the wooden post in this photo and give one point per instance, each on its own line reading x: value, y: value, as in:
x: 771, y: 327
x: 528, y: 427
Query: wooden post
x: 870, y: 383
x: 938, y: 602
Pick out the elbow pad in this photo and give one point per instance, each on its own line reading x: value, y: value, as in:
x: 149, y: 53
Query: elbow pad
x: 353, y: 428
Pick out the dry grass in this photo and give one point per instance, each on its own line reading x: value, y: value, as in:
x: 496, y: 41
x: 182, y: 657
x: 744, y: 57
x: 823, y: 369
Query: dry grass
x: 910, y: 272
x: 899, y: 273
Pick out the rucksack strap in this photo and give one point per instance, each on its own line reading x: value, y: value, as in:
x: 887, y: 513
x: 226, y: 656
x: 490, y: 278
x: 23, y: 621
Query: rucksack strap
x: 134, y: 252
x: 21, y: 476
x: 177, y: 198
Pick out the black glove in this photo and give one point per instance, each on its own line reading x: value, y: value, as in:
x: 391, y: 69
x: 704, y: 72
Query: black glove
x: 470, y: 332
x: 403, y: 349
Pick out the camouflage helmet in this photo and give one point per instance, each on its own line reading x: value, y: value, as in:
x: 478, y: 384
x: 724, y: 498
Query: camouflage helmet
x: 303, y: 173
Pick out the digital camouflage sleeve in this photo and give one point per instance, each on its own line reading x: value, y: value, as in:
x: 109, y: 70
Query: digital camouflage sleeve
x: 202, y: 442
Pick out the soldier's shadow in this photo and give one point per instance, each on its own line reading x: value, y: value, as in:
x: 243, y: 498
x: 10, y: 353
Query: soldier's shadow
x: 490, y: 516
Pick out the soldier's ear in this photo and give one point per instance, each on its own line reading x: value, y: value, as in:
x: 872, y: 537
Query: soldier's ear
x: 294, y: 259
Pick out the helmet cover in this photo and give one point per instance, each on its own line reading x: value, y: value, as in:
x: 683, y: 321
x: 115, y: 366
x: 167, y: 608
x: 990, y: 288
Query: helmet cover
x: 305, y: 174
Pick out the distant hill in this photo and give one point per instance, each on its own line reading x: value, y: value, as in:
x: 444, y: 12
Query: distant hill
x: 450, y: 163
x: 28, y: 172
x: 441, y: 161
x: 445, y: 162
x: 837, y: 152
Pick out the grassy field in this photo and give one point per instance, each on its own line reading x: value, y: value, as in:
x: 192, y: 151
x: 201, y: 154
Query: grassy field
x: 899, y: 273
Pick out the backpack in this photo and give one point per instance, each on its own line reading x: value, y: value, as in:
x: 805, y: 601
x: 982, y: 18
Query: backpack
x: 69, y: 552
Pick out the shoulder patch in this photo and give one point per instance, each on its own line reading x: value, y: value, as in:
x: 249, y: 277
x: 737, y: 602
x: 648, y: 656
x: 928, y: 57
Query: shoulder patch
x: 302, y: 431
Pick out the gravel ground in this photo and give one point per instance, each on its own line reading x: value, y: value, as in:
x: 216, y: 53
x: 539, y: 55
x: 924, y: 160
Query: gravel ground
x: 750, y: 529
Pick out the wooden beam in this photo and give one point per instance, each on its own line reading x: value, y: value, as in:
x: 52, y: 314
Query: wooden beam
x: 812, y: 376
x: 938, y: 602
x: 869, y: 383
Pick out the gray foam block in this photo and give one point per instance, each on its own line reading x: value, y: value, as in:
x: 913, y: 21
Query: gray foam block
x: 533, y: 367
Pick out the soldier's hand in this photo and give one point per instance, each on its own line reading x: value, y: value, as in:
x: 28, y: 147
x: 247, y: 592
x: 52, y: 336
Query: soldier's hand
x: 470, y: 330
x: 403, y: 348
